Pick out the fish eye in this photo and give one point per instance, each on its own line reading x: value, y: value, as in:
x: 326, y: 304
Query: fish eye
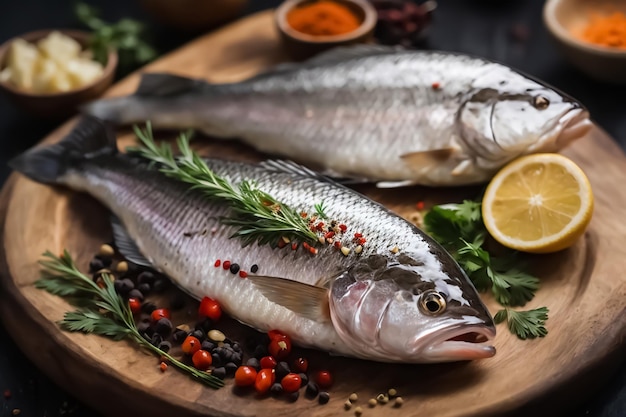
x: 432, y: 303
x: 540, y: 102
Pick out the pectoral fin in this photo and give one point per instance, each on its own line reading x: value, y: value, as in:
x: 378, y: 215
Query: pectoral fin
x: 427, y: 158
x: 306, y: 300
x: 126, y: 245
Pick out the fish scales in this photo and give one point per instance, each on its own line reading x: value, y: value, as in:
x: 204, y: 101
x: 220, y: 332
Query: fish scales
x: 372, y: 113
x: 378, y: 300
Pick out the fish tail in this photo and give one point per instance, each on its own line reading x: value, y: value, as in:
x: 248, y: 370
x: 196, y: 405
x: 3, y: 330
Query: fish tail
x: 89, y: 139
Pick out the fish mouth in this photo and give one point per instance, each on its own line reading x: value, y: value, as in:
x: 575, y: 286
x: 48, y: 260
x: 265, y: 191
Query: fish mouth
x: 463, y: 343
x: 574, y: 124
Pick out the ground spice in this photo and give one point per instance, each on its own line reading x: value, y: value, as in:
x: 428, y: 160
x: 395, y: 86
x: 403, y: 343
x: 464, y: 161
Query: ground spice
x: 606, y: 30
x: 323, y: 18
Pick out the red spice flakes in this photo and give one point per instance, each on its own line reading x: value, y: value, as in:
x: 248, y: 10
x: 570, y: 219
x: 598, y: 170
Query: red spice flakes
x: 163, y: 366
x: 358, y: 235
x: 313, y: 250
x: 337, y: 244
x: 7, y: 394
x: 243, y: 274
x: 320, y: 226
x: 436, y: 86
x: 218, y: 263
x: 294, y: 246
x: 303, y: 215
x: 281, y: 243
x: 329, y: 235
x: 226, y: 265
x: 420, y: 205
x: 343, y: 227
x: 361, y: 241
x: 306, y: 246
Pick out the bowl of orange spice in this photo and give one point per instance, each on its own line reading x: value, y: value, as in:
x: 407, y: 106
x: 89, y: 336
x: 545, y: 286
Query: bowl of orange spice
x: 591, y: 35
x: 308, y: 27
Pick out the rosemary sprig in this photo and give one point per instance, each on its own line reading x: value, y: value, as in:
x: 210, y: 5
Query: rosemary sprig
x: 257, y: 215
x: 102, y: 311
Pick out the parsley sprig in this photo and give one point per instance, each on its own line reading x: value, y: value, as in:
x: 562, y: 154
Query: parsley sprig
x: 460, y: 229
x: 256, y: 215
x: 100, y: 309
x: 126, y: 36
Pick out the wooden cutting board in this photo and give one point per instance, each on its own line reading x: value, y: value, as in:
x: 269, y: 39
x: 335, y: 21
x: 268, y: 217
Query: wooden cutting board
x: 584, y: 288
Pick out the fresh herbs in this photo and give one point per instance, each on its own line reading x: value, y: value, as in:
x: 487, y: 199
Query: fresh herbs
x: 525, y: 324
x: 256, y: 215
x: 125, y: 36
x: 460, y: 229
x: 100, y: 309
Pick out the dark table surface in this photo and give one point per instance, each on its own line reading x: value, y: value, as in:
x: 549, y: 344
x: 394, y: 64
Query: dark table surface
x: 479, y: 27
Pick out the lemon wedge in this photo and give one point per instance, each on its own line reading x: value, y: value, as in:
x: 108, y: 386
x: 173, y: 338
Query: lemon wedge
x: 538, y: 203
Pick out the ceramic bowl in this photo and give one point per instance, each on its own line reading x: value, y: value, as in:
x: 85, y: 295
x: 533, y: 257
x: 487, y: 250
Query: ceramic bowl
x: 56, y: 106
x: 300, y: 45
x: 194, y: 15
x: 565, y: 18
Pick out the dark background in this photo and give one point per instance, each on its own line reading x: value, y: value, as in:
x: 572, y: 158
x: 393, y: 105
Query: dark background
x: 487, y: 28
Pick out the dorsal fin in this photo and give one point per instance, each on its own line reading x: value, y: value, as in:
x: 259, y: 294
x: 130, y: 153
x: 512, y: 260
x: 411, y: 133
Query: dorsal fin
x: 290, y: 167
x: 332, y: 56
x: 164, y: 84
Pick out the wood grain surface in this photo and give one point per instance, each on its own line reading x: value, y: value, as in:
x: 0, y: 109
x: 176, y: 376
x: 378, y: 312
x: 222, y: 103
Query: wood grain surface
x: 584, y: 287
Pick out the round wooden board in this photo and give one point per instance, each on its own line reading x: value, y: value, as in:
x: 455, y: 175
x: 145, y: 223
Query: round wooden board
x: 583, y: 287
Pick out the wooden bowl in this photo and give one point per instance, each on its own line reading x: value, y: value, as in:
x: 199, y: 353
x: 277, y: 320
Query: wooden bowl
x: 56, y: 106
x: 565, y: 18
x: 300, y: 45
x: 193, y: 15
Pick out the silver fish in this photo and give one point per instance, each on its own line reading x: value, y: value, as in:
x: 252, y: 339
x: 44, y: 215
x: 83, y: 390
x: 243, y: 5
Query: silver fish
x: 410, y: 304
x: 371, y: 113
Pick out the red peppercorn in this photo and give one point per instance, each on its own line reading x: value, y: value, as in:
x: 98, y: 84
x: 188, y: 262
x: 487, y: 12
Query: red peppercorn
x: 191, y: 345
x: 264, y: 380
x: 436, y: 86
x: 160, y: 313
x: 324, y: 379
x: 163, y: 366
x: 218, y: 263
x: 338, y: 244
x: 301, y: 365
x: 134, y: 304
x: 209, y: 308
x: 280, y: 347
x: 268, y: 362
x: 358, y: 235
x: 243, y: 274
x: 275, y: 334
x: 291, y: 382
x: 202, y: 360
x: 420, y: 205
x: 294, y: 246
x: 343, y: 227
x: 245, y: 376
x: 226, y: 265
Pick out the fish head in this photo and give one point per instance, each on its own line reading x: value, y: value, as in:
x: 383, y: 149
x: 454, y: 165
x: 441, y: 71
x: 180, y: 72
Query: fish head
x: 496, y: 126
x: 406, y: 309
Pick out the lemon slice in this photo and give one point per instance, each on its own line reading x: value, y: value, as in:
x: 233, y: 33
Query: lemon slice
x: 538, y: 203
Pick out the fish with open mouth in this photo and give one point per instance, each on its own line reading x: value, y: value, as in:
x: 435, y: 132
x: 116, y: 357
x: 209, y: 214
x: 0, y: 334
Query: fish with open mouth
x: 369, y: 113
x: 403, y: 298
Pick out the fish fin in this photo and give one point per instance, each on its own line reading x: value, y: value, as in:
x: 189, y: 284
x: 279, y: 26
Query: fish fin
x: 343, y: 53
x: 161, y: 84
x: 426, y: 158
x: 289, y: 167
x: 462, y: 167
x: 89, y: 139
x: 335, y: 55
x: 126, y: 245
x: 306, y: 300
x: 395, y: 184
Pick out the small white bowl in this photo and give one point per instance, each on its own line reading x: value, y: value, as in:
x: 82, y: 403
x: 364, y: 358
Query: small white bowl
x: 564, y: 18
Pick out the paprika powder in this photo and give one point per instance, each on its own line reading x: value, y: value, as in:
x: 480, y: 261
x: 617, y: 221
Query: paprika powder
x: 606, y: 30
x: 323, y: 18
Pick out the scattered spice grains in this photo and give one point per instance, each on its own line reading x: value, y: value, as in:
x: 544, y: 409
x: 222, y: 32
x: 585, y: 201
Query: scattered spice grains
x: 353, y: 397
x: 347, y: 405
x: 358, y: 411
x: 372, y: 402
x: 398, y: 402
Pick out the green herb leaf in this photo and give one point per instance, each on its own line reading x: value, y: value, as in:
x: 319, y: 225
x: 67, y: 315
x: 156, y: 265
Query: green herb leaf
x: 524, y: 324
x: 105, y: 312
x: 257, y: 216
x: 320, y: 210
x: 125, y: 36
